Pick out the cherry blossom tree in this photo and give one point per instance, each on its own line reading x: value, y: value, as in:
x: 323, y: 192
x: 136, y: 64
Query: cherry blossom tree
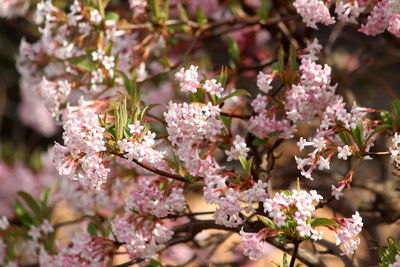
x: 245, y: 106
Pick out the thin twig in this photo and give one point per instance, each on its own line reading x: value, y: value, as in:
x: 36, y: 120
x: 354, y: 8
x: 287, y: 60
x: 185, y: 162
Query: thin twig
x: 294, y: 255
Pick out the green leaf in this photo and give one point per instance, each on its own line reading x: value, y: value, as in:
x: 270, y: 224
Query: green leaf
x: 377, y: 130
x: 23, y: 214
x: 112, y: 16
x: 234, y: 50
x: 285, y: 261
x: 281, y: 59
x: 293, y: 65
x: 236, y: 93
x: 154, y: 263
x: 182, y: 13
x: 165, y: 13
x: 155, y: 9
x: 246, y: 164
x: 91, y: 229
x: 226, y: 120
x: 387, y: 118
x: 267, y: 221
x: 358, y: 134
x: 121, y: 118
x: 162, y: 186
x: 265, y: 9
x: 31, y: 203
x: 44, y: 196
x: 83, y: 62
x: 346, y: 138
x: 189, y: 178
x: 396, y: 107
x: 199, y: 96
x: 259, y: 141
x: 388, y: 254
x: 323, y: 222
x: 223, y: 77
x: 146, y: 109
x: 201, y: 19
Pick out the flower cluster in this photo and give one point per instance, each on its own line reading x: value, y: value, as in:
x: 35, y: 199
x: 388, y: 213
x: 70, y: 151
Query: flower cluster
x: 383, y: 15
x: 265, y: 123
x: 189, y: 125
x: 313, y: 12
x: 313, y: 94
x: 189, y: 80
x: 346, y: 233
x: 395, y: 150
x: 239, y: 149
x: 84, y: 251
x: 83, y: 144
x: 148, y: 198
x: 296, y: 207
x: 336, y: 123
x: 252, y: 244
x: 140, y: 146
x: 142, y: 238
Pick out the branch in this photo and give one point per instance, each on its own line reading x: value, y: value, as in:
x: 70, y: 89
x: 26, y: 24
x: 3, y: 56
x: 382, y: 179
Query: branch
x: 195, y: 227
x: 155, y: 170
x: 294, y: 255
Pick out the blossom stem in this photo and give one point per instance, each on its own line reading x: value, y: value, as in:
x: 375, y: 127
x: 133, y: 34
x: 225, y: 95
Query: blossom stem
x: 293, y: 259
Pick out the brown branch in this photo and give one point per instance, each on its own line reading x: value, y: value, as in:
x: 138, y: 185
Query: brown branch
x: 160, y: 172
x: 155, y: 170
x: 237, y: 116
x: 294, y: 254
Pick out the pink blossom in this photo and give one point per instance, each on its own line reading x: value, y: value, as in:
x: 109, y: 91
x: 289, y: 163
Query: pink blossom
x: 188, y: 79
x: 148, y: 198
x: 137, y: 6
x: 83, y: 144
x: 4, y: 223
x: 337, y: 191
x: 255, y: 194
x: 238, y: 149
x: 344, y: 152
x: 213, y: 87
x: 262, y: 126
x: 297, y: 202
x: 54, y: 94
x: 259, y: 103
x: 143, y: 150
x: 313, y: 12
x: 384, y: 15
x: 228, y: 210
x: 313, y: 94
x: 13, y: 8
x: 348, y: 11
x: 346, y: 233
x: 95, y: 17
x: 253, y: 245
x: 142, y: 238
x: 395, y: 149
x: 264, y: 81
